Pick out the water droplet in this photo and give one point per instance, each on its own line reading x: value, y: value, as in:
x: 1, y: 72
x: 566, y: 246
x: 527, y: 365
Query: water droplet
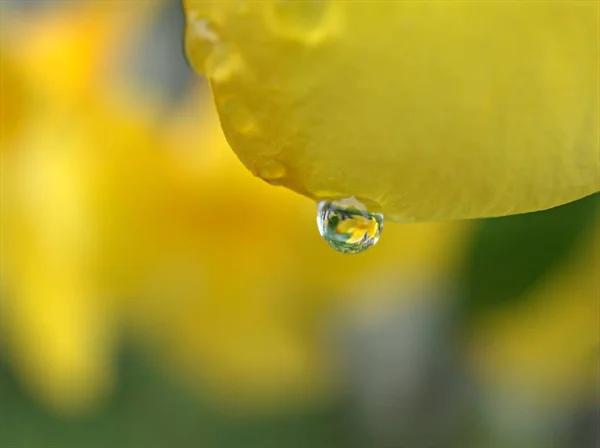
x: 272, y: 172
x: 203, y: 28
x: 347, y: 226
x: 239, y: 115
x: 307, y: 21
x: 201, y: 38
x: 223, y: 63
x: 207, y: 51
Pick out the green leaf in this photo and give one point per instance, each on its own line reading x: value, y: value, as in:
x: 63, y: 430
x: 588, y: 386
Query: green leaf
x: 149, y: 409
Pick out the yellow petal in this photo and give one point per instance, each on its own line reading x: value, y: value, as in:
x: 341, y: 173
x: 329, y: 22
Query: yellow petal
x: 423, y: 110
x: 67, y: 52
x: 57, y: 323
x: 11, y: 111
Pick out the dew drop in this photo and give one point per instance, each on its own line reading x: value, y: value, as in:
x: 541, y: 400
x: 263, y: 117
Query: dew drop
x: 347, y: 226
x: 202, y: 38
x: 239, y: 116
x: 222, y: 64
x: 272, y: 172
x: 210, y: 54
x: 204, y: 29
x: 307, y: 21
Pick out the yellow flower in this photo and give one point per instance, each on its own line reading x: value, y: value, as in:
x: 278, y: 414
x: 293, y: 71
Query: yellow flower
x: 422, y: 110
x: 112, y: 222
x: 62, y: 70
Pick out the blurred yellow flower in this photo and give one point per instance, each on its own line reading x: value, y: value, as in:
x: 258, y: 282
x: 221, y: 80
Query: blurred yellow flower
x: 112, y: 220
x: 544, y: 348
x: 11, y: 97
x: 56, y: 318
x: 422, y: 110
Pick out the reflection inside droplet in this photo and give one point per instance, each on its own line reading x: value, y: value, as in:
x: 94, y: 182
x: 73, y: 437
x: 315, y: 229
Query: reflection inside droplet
x: 347, y: 226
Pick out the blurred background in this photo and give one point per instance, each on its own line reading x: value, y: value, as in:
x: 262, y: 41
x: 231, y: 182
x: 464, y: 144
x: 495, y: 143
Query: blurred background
x: 155, y: 294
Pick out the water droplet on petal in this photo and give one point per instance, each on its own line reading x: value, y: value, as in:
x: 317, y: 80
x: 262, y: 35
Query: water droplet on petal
x: 239, y: 115
x: 204, y: 29
x: 272, y: 172
x: 308, y: 21
x: 211, y: 55
x: 222, y: 64
x: 347, y: 226
x: 201, y: 39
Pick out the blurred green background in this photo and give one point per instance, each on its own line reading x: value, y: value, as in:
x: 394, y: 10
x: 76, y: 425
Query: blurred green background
x: 154, y: 294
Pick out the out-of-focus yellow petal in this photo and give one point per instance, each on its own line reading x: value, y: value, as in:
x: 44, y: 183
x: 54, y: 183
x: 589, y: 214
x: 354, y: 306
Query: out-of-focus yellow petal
x: 422, y: 110
x: 546, y: 346
x: 67, y: 52
x: 11, y: 100
x: 57, y: 321
x: 57, y: 306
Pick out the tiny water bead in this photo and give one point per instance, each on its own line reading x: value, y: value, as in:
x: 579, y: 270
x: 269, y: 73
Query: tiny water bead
x: 204, y: 29
x: 272, y: 172
x: 216, y: 59
x: 239, y: 116
x: 347, y: 226
x: 306, y: 21
x: 201, y: 38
